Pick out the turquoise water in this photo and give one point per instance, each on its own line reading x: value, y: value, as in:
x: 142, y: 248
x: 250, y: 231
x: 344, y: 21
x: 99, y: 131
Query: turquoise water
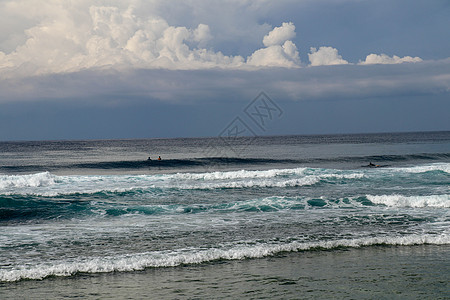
x: 79, y: 212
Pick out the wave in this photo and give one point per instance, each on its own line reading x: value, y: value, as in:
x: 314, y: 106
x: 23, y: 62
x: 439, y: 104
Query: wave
x: 203, y: 162
x: 181, y: 163
x: 405, y: 157
x: 158, y: 259
x: 242, y: 174
x: 442, y: 167
x: 305, y: 181
x: 234, y: 162
x: 47, y: 178
x: 49, y: 185
x: 31, y: 180
x: 23, y: 208
x: 277, y: 203
x: 212, y: 162
x: 18, y: 208
x: 411, y: 201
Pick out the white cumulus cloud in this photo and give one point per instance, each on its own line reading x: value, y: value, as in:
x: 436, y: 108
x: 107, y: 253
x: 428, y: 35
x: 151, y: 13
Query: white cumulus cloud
x: 280, y: 51
x: 285, y: 55
x: 84, y: 36
x: 385, y: 59
x: 325, y: 56
x: 202, y: 34
x: 279, y: 35
x: 62, y: 36
x: 111, y: 36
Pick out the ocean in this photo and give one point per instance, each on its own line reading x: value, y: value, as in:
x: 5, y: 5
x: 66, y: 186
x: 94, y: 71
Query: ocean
x: 281, y: 217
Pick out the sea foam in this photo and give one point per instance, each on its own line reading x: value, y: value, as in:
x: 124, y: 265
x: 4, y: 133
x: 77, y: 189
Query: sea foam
x: 140, y: 261
x: 411, y: 201
x: 49, y: 185
x: 444, y: 167
x: 31, y: 180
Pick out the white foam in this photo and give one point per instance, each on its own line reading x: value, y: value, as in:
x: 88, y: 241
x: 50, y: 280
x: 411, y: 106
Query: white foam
x: 266, y: 181
x: 305, y: 181
x: 46, y: 184
x: 411, y: 201
x: 274, y: 202
x: 141, y: 261
x: 32, y: 180
x: 240, y: 174
x: 270, y: 178
x: 444, y: 167
x: 344, y: 176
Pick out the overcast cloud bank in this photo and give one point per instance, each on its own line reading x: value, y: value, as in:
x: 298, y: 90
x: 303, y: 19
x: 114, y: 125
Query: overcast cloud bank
x: 106, y: 87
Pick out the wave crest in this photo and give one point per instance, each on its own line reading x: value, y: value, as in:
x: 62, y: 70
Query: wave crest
x: 31, y: 180
x: 411, y: 201
x: 134, y: 262
x: 49, y: 185
x: 443, y: 167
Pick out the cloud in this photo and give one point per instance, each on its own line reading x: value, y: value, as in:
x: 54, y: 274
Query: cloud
x: 385, y: 59
x: 279, y: 35
x: 212, y: 85
x: 202, y: 34
x: 280, y: 51
x: 112, y: 36
x: 325, y: 56
x: 70, y: 38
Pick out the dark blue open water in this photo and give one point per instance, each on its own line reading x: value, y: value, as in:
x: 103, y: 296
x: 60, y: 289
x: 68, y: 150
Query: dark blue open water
x: 71, y: 209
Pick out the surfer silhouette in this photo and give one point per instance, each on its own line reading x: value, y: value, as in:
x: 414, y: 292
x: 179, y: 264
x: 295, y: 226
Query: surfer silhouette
x: 159, y: 157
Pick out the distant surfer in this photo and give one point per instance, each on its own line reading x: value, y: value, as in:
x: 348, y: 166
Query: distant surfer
x: 149, y: 158
x: 373, y: 165
x: 159, y: 157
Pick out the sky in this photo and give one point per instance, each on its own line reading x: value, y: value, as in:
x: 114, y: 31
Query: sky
x: 111, y: 69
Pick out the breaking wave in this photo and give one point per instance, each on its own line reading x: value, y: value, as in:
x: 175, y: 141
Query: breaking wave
x: 158, y: 259
x: 49, y: 185
x: 411, y: 201
x: 31, y: 180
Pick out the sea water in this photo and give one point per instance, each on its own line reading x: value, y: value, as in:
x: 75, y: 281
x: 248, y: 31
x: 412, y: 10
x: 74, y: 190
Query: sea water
x: 295, y: 216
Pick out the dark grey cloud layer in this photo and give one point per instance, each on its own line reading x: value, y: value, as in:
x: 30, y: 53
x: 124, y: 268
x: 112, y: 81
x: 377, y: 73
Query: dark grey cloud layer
x: 101, y: 87
x: 164, y: 103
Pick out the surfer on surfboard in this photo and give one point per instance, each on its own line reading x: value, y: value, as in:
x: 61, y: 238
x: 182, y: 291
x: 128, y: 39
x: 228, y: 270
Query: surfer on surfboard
x: 373, y: 165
